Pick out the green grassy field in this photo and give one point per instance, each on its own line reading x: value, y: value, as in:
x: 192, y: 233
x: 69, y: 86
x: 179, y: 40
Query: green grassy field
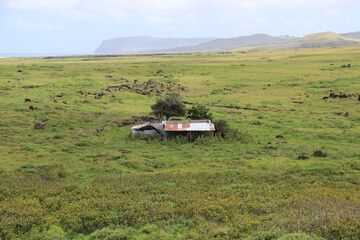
x: 82, y: 177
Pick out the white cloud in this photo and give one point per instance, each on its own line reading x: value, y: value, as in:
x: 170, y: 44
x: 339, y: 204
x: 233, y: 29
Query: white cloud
x: 167, y: 12
x: 76, y: 14
x: 28, y: 25
x: 38, y: 4
x: 157, y: 9
x: 331, y: 11
x: 171, y: 5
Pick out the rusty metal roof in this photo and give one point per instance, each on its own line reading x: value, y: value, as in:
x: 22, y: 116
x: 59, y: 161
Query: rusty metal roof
x: 187, y: 121
x: 181, y: 125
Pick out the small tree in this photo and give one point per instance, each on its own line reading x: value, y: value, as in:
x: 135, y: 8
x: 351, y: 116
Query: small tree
x: 222, y: 128
x: 199, y: 112
x: 170, y: 106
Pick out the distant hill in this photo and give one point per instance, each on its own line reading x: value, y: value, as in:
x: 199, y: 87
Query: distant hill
x: 133, y: 45
x: 151, y: 45
x: 316, y: 40
x: 224, y: 44
x: 351, y: 35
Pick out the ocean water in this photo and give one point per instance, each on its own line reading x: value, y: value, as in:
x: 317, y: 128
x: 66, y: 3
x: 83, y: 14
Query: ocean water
x: 7, y: 55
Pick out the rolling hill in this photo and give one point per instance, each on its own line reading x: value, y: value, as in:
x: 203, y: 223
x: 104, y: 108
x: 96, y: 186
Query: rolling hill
x: 224, y: 44
x: 316, y: 40
x: 151, y: 45
x: 351, y: 35
x: 133, y: 45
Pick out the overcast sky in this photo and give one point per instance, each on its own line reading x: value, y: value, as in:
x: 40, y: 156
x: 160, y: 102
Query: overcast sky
x: 79, y: 26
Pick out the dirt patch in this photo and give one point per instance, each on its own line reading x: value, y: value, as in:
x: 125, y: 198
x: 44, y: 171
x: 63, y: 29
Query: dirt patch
x: 40, y: 125
x: 346, y: 114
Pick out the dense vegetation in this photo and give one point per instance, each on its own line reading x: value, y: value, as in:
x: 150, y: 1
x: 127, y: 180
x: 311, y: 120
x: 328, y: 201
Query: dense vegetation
x: 169, y: 106
x: 290, y: 171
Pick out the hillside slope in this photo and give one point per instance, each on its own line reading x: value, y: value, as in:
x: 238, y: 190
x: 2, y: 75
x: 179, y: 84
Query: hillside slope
x: 133, y: 45
x: 351, y: 34
x: 316, y: 40
x: 224, y: 44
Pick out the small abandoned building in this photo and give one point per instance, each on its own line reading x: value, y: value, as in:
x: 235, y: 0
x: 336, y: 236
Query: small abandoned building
x: 189, y: 128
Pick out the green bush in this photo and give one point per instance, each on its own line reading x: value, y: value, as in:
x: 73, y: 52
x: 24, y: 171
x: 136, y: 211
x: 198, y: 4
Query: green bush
x: 223, y: 129
x: 199, y: 112
x: 113, y: 234
x: 53, y: 233
x: 300, y: 236
x: 266, y: 235
x: 170, y: 106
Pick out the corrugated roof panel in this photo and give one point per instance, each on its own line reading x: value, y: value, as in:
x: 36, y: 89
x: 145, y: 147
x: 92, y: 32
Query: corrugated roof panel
x: 145, y: 124
x: 182, y: 125
x: 189, y: 127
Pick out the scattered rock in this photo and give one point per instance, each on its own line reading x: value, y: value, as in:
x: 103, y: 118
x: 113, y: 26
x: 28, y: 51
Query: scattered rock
x: 256, y: 123
x: 39, y: 125
x: 302, y: 157
x: 31, y: 86
x: 319, y: 153
x: 146, y: 88
x: 339, y: 95
x: 270, y: 147
x: 280, y: 136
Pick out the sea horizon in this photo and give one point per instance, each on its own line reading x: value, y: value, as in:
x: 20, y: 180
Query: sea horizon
x: 9, y: 55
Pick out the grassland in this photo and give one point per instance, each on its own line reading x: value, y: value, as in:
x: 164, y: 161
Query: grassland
x: 83, y: 178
